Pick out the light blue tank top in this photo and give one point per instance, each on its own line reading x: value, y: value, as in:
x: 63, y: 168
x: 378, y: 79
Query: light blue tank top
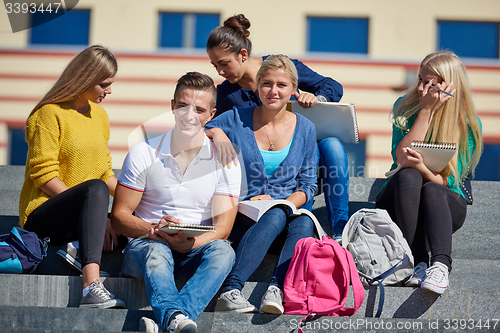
x: 272, y: 159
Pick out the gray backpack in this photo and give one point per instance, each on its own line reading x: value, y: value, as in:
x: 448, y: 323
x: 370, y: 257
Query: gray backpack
x: 381, y: 253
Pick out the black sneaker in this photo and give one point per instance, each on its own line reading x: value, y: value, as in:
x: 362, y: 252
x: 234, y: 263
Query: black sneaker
x: 100, y: 297
x: 71, y: 256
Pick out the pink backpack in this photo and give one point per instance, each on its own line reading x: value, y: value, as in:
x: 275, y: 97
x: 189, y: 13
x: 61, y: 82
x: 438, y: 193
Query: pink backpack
x: 318, y: 278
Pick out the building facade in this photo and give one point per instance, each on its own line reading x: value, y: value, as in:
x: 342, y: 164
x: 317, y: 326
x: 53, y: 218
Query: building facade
x: 372, y: 47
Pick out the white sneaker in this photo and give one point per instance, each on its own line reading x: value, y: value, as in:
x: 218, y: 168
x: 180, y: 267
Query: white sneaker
x: 182, y: 324
x: 272, y: 301
x: 148, y: 325
x: 234, y: 301
x: 436, y: 278
x: 418, y: 275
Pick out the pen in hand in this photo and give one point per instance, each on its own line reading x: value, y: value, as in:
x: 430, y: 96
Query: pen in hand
x: 441, y: 90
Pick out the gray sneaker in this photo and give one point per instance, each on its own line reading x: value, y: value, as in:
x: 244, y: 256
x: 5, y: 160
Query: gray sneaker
x: 148, y: 325
x: 100, y: 297
x: 182, y: 324
x: 234, y: 301
x: 272, y: 301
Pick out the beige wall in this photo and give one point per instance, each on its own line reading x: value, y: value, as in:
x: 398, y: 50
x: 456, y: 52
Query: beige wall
x: 399, y: 29
x: 401, y: 33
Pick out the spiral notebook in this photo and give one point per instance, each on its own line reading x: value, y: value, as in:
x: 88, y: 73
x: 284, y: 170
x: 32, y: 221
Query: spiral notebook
x: 191, y: 230
x: 330, y: 119
x: 435, y: 155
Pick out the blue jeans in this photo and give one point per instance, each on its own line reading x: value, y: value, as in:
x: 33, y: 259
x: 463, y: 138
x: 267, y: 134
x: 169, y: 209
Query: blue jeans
x: 334, y: 174
x: 258, y: 238
x: 204, y: 269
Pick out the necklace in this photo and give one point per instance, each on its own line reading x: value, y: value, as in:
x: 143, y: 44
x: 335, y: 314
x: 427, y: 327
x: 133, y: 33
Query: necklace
x: 271, y: 147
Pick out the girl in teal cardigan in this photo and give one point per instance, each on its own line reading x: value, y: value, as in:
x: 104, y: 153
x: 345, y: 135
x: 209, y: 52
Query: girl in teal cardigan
x: 426, y: 205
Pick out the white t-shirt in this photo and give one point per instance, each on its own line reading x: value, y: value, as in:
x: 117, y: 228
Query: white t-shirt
x: 150, y: 168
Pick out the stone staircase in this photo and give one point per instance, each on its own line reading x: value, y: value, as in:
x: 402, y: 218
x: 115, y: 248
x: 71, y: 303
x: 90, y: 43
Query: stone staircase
x: 48, y: 301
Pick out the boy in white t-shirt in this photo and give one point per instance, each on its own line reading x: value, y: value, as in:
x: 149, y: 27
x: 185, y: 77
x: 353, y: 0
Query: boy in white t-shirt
x: 178, y: 174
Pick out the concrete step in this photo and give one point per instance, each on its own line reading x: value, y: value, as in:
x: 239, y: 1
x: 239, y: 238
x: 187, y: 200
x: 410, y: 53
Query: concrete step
x: 473, y: 293
x: 52, y: 320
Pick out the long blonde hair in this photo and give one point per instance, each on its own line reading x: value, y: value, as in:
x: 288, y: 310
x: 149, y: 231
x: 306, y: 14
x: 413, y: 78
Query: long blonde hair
x: 90, y: 67
x: 452, y: 121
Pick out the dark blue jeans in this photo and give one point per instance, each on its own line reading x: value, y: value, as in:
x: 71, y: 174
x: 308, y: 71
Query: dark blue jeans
x: 334, y: 176
x: 256, y: 241
x: 333, y: 181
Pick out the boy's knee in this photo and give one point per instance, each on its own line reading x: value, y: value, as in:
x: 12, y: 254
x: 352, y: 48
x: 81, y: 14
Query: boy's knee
x: 222, y: 250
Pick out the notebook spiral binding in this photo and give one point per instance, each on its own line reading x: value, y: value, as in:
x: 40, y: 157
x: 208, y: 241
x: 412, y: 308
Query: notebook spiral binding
x: 444, y: 145
x: 355, y: 123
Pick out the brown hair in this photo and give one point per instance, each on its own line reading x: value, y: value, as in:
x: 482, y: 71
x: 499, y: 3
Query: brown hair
x: 197, y: 81
x: 90, y: 67
x: 232, y: 36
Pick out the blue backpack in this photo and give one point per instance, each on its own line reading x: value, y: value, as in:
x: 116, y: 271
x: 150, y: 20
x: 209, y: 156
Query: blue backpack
x: 21, y: 251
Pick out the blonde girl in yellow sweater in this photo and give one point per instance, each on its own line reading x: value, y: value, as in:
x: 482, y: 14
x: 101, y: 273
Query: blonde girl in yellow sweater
x: 68, y: 175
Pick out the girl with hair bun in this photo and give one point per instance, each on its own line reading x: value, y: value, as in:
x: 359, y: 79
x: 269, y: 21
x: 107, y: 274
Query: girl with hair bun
x: 280, y: 158
x: 229, y: 50
x: 430, y: 206
x: 68, y: 176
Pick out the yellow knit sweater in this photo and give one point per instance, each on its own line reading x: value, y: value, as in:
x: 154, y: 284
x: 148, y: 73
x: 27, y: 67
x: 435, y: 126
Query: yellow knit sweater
x: 66, y: 144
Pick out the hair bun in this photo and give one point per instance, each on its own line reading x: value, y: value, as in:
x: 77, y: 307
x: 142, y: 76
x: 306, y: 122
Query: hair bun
x: 239, y: 23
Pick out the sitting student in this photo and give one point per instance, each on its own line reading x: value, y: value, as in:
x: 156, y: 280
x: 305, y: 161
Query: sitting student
x: 68, y: 176
x: 429, y: 206
x: 178, y: 173
x: 281, y: 160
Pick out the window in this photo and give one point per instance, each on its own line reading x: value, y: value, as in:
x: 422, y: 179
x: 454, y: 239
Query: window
x: 186, y: 30
x: 70, y: 28
x: 469, y: 39
x: 18, y: 148
x: 337, y: 34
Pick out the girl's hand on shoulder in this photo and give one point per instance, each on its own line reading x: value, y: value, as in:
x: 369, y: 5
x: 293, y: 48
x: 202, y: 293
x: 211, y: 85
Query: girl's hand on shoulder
x: 305, y: 99
x: 225, y: 150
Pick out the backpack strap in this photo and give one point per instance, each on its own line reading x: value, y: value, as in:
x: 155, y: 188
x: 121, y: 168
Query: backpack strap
x: 378, y: 281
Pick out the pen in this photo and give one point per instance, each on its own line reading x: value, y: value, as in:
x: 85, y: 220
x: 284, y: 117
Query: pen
x: 441, y: 90
x: 164, y: 212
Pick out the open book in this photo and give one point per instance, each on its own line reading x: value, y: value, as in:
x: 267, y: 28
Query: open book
x: 191, y: 230
x: 254, y: 209
x: 435, y: 155
x: 331, y: 120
